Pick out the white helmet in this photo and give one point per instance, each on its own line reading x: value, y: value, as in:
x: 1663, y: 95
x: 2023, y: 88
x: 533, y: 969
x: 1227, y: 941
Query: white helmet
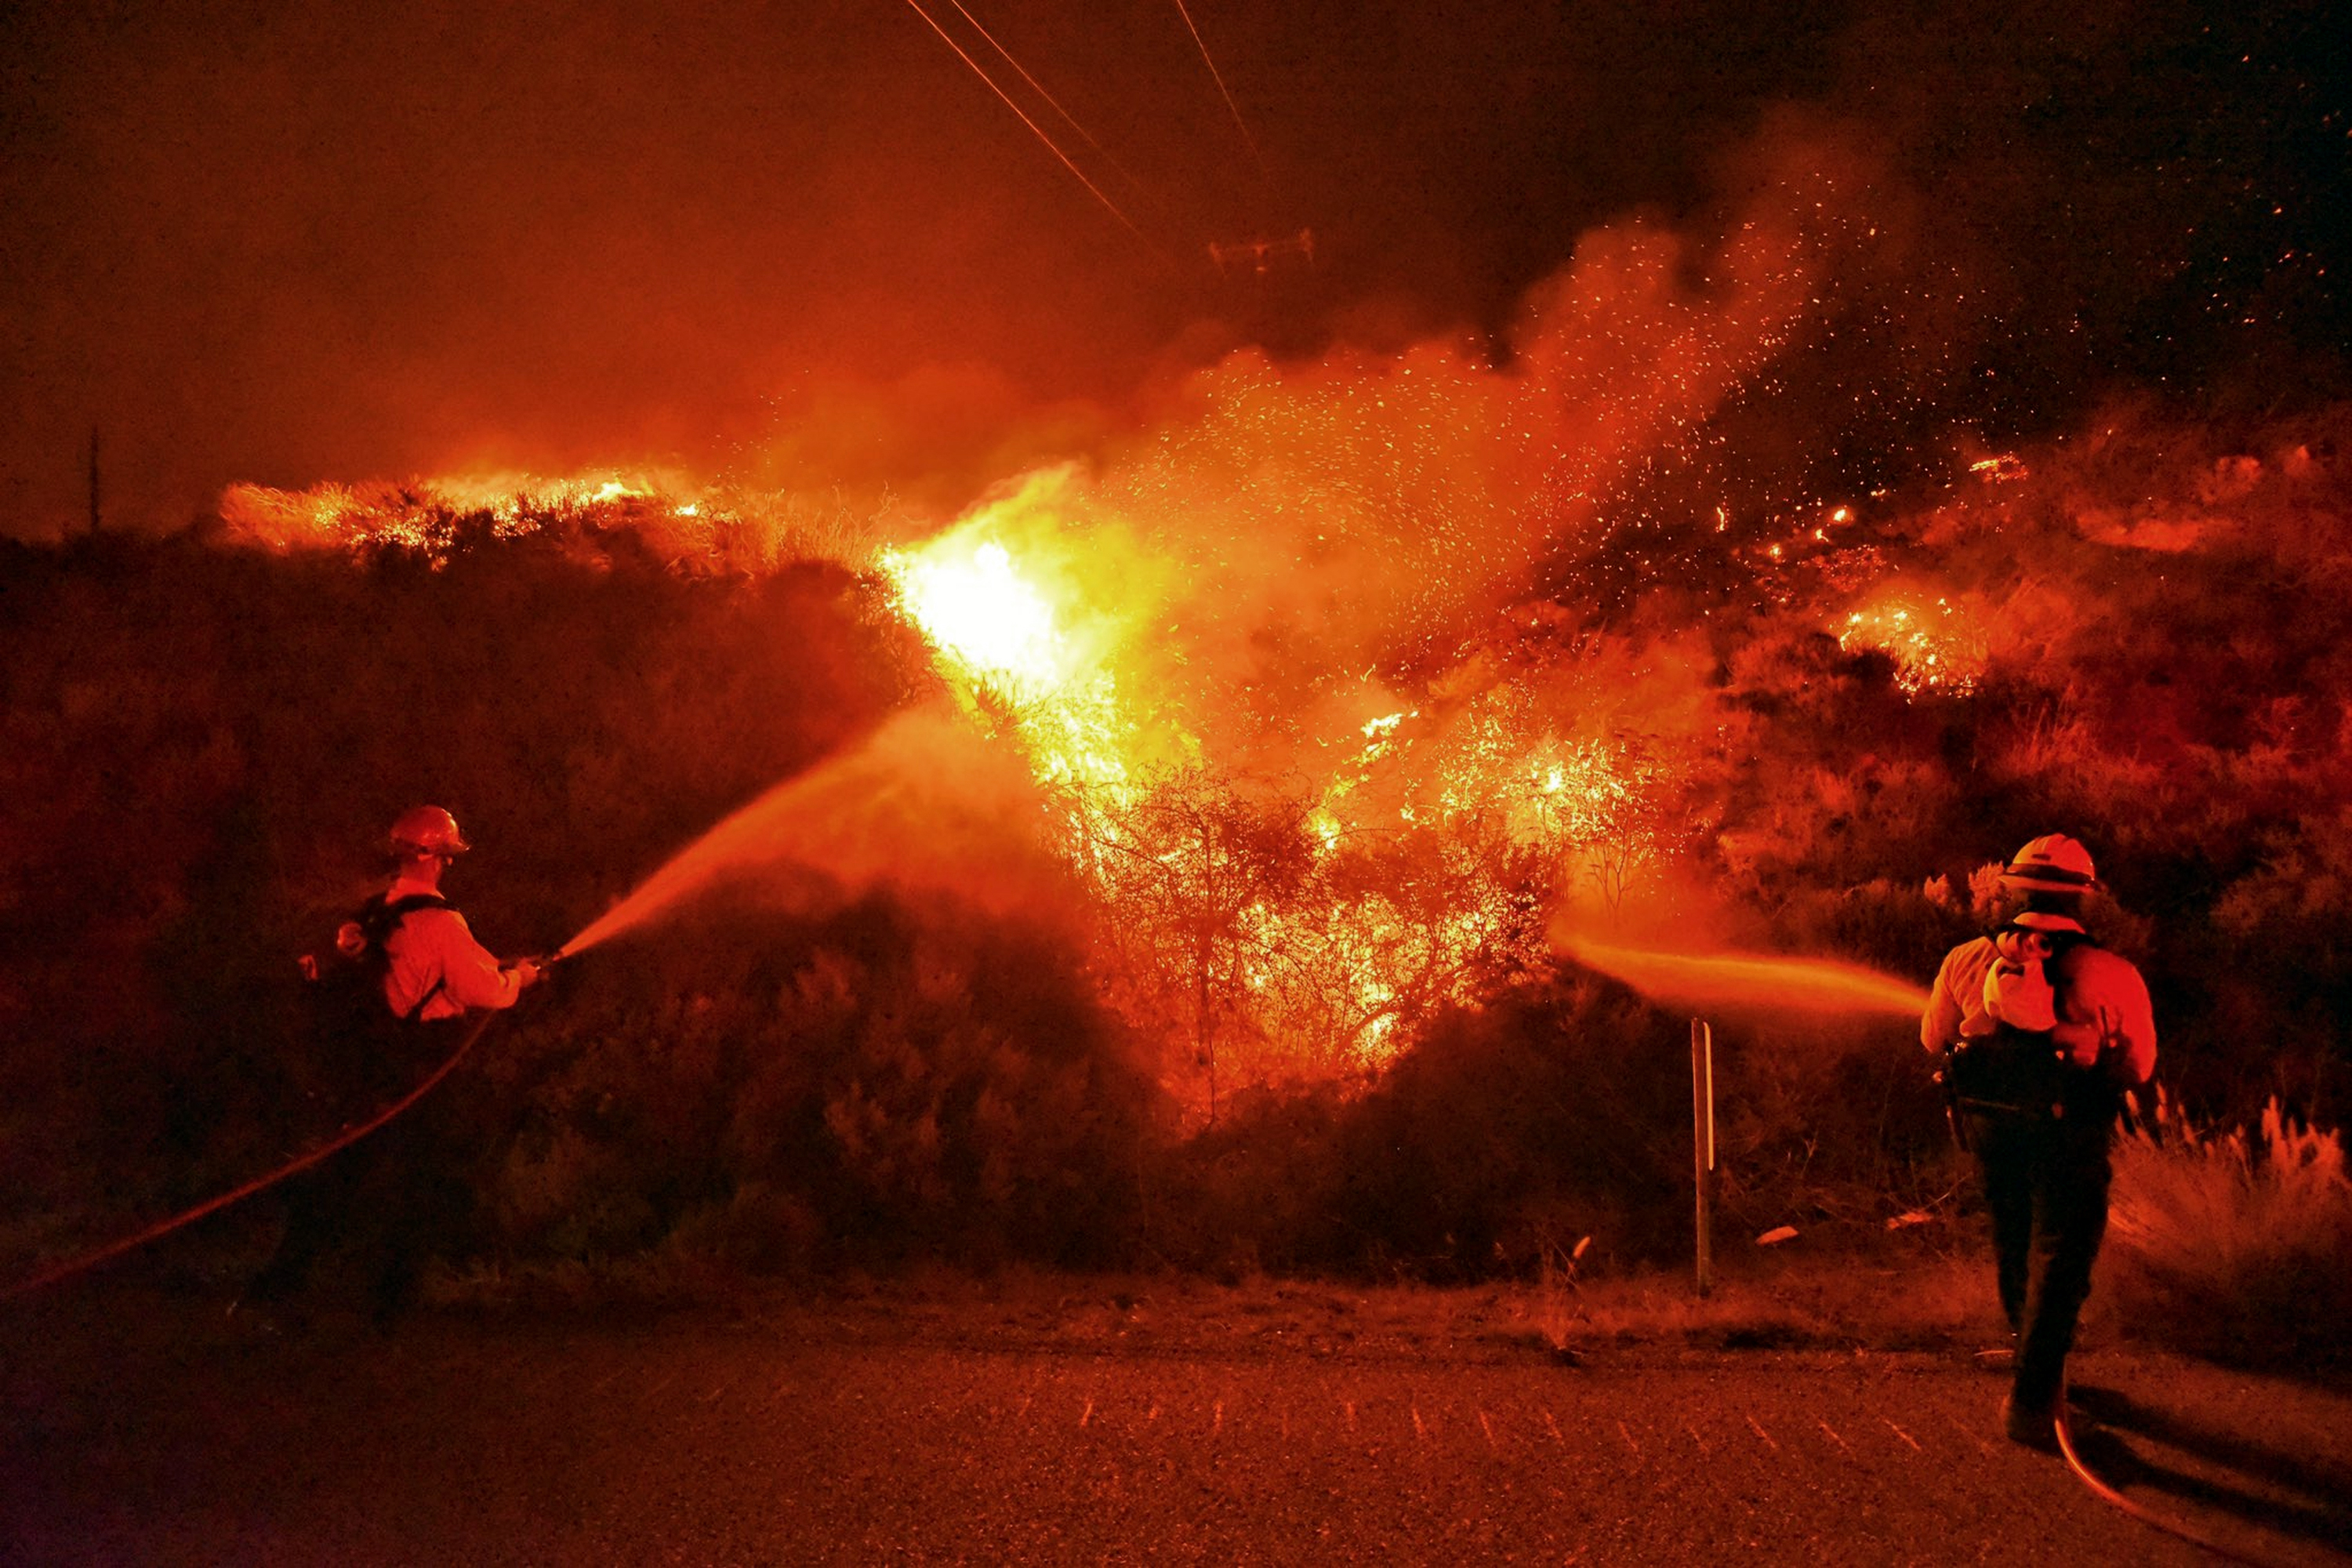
x: 2052, y: 863
x: 427, y: 830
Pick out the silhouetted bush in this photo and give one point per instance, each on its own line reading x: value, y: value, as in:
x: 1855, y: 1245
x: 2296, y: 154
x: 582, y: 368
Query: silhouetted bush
x: 877, y: 1084
x: 1557, y: 1113
x: 2233, y: 1245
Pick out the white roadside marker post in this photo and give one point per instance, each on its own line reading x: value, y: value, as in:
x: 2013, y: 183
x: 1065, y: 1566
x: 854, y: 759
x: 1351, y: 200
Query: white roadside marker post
x: 1703, y: 1145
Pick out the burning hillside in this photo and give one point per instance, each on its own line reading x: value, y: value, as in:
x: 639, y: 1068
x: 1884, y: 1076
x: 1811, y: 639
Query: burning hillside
x: 1186, y: 772
x: 1338, y: 683
x: 1325, y: 759
x: 1206, y: 670
x: 1262, y: 658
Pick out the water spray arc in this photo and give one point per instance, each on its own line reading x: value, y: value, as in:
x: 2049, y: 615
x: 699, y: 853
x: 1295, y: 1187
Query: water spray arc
x: 1751, y: 981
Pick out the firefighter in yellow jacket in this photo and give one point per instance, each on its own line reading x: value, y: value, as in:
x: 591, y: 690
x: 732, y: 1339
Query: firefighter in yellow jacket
x: 2043, y: 1032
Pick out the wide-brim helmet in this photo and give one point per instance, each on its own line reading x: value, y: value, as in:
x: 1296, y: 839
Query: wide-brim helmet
x: 427, y: 830
x: 2052, y: 863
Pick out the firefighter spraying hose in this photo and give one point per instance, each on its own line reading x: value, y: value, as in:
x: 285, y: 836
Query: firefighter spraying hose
x: 2041, y: 1033
x: 402, y: 994
x: 406, y: 989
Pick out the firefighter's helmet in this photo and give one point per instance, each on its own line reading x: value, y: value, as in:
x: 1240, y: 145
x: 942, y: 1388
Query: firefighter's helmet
x: 427, y: 830
x: 2052, y: 863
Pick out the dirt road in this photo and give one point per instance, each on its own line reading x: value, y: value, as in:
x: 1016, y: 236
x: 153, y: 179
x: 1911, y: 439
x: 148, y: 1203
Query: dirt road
x: 812, y: 1434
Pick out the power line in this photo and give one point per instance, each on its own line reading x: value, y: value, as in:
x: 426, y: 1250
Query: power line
x: 1039, y: 87
x: 1218, y: 77
x: 1108, y: 204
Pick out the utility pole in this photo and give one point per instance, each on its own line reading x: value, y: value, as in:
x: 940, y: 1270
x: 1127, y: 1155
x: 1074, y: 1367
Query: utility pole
x: 97, y: 517
x: 1203, y: 952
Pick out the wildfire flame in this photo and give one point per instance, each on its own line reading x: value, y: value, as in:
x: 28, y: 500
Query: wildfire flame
x: 1306, y: 923
x: 1029, y: 644
x: 1280, y: 663
x: 1937, y: 644
x: 981, y: 612
x: 422, y: 515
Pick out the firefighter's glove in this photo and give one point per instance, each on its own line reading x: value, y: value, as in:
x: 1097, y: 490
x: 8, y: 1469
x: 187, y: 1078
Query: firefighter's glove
x: 527, y: 974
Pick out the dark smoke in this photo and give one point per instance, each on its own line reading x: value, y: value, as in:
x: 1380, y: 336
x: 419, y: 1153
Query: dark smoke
x: 311, y: 241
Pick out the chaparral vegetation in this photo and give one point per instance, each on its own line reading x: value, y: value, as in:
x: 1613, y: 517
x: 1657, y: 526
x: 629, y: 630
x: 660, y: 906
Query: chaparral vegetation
x: 1234, y: 979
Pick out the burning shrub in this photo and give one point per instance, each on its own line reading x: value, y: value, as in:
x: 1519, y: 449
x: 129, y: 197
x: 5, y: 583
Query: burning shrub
x: 1267, y: 951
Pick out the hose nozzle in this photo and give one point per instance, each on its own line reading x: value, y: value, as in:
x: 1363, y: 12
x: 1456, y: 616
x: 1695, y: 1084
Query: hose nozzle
x: 543, y: 963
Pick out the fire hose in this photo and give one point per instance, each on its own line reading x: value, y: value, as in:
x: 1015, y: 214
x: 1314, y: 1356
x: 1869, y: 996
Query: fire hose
x: 2107, y: 1494
x: 342, y: 1141
x: 1955, y: 1106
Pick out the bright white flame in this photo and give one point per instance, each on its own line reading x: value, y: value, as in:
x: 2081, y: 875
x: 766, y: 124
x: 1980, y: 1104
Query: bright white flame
x: 976, y: 607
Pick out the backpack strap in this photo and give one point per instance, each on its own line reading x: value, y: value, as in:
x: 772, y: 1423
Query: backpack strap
x: 2063, y: 944
x: 417, y: 1012
x: 392, y: 912
x: 383, y: 918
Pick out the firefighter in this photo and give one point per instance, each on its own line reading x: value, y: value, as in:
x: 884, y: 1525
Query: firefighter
x: 400, y: 1191
x: 437, y: 971
x: 2042, y: 1032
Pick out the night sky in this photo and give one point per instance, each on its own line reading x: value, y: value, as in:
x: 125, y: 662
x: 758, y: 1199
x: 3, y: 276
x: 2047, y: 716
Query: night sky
x: 289, y: 243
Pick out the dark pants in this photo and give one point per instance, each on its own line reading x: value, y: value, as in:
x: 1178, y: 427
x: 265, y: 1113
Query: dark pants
x: 2046, y: 1187
x: 381, y: 1206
